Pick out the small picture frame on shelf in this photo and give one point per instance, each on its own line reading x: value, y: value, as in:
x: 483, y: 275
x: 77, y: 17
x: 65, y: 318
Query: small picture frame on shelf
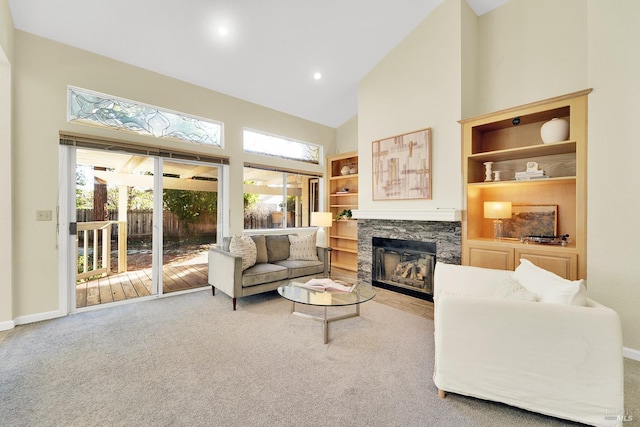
x: 531, y: 220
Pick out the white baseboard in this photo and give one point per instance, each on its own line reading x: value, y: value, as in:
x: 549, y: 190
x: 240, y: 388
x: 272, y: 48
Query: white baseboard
x: 31, y: 318
x: 9, y: 324
x: 631, y: 353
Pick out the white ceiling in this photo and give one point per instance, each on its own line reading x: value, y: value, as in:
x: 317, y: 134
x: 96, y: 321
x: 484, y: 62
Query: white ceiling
x: 269, y: 56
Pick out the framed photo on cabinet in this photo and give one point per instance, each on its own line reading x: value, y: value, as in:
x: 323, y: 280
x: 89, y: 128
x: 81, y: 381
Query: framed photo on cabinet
x: 531, y: 220
x: 401, y: 168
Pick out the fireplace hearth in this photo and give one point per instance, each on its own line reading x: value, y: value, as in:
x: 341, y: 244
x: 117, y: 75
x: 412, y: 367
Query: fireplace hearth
x: 405, y: 266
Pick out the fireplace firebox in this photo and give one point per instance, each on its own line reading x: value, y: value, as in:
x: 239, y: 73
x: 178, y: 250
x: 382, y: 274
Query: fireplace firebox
x: 404, y: 266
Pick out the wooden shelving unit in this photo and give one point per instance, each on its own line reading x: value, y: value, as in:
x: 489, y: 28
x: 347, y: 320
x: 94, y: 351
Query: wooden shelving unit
x: 343, y: 235
x: 510, y: 138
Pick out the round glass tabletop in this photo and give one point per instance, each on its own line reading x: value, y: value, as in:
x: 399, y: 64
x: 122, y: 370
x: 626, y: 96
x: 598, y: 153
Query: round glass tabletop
x: 294, y: 292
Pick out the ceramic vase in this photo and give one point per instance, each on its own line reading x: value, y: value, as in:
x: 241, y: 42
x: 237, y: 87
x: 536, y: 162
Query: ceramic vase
x: 555, y: 130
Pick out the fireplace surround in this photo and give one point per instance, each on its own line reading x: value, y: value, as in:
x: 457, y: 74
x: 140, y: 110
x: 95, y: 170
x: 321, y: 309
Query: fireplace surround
x: 404, y: 266
x: 445, y: 235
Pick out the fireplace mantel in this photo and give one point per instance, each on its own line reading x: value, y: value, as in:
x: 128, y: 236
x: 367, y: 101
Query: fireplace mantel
x: 439, y: 214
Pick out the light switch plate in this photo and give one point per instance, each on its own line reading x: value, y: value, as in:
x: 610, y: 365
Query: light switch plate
x: 43, y: 215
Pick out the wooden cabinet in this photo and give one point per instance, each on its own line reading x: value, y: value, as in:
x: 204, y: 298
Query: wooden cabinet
x: 510, y: 139
x: 506, y: 256
x: 342, y: 188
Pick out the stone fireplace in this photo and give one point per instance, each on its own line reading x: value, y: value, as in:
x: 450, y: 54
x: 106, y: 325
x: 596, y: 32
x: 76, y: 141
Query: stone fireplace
x: 413, y: 247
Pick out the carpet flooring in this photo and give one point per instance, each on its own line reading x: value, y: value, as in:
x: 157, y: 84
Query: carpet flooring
x: 189, y: 360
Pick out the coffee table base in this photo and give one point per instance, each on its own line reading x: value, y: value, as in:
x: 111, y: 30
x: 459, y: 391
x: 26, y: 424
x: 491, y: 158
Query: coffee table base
x: 324, y: 319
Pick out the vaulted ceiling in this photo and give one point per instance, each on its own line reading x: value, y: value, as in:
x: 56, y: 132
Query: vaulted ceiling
x: 269, y: 55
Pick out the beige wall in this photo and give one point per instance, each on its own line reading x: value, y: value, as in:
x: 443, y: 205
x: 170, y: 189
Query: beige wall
x: 6, y: 258
x: 417, y: 86
x: 614, y: 150
x: 42, y: 71
x: 347, y: 136
x: 457, y: 65
x: 531, y: 50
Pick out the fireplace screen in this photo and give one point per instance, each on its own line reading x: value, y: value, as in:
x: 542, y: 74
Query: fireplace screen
x: 405, y: 266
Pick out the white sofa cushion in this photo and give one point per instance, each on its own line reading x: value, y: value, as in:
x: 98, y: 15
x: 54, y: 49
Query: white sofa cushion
x: 244, y: 246
x: 549, y: 287
x: 511, y: 289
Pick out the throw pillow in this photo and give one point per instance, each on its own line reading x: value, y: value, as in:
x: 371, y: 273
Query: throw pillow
x: 548, y: 286
x: 261, y: 248
x: 277, y: 247
x: 303, y: 247
x: 511, y: 289
x: 243, y: 246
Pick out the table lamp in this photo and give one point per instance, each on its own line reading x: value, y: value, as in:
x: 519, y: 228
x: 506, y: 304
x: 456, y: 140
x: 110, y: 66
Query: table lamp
x: 497, y: 211
x: 321, y: 220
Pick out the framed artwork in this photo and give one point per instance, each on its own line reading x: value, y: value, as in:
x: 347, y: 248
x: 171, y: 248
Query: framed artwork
x: 531, y: 220
x: 401, y: 167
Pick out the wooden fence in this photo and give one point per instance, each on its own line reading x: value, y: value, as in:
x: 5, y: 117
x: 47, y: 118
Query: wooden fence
x: 140, y: 224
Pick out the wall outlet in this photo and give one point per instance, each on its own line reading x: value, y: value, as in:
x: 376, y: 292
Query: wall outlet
x: 43, y: 216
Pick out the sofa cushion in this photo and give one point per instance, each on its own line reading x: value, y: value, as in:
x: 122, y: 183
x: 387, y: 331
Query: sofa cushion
x: 277, y: 247
x: 261, y: 248
x: 303, y: 247
x: 299, y: 268
x: 511, y: 289
x: 243, y: 246
x: 263, y: 273
x: 548, y: 286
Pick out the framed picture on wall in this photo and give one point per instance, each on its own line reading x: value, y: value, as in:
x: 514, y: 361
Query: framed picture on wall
x: 401, y: 167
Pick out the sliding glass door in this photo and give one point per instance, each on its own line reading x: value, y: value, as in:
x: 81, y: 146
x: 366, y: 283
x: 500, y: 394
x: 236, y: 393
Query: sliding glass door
x: 190, y: 223
x: 143, y: 225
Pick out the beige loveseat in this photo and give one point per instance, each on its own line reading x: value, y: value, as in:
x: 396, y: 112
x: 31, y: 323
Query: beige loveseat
x: 529, y: 339
x: 278, y: 259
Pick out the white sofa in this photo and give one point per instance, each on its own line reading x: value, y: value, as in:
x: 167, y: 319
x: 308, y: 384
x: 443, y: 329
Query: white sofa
x: 552, y: 358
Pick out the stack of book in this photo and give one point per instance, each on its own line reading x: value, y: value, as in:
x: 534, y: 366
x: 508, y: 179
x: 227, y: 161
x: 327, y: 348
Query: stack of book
x: 525, y: 176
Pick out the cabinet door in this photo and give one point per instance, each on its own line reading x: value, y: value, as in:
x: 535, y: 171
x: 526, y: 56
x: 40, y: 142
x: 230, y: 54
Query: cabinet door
x: 564, y: 265
x: 496, y: 257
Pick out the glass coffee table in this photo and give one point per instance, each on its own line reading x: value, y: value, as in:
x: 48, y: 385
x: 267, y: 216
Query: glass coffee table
x: 299, y: 295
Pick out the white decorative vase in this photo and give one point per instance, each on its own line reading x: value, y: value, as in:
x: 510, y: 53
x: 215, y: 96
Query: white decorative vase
x: 555, y: 130
x: 345, y: 170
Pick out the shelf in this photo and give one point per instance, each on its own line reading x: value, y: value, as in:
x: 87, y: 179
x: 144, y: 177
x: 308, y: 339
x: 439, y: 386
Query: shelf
x: 344, y: 206
x: 343, y: 249
x: 543, y: 181
x: 344, y: 194
x: 335, y: 236
x: 515, y: 243
x: 343, y: 266
x: 337, y: 177
x: 564, y: 147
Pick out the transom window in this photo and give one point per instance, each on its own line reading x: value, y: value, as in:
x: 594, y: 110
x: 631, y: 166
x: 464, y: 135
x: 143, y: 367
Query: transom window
x: 93, y: 108
x: 271, y: 145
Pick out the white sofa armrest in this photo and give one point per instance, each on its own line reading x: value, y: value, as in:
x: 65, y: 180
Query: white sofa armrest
x: 555, y: 359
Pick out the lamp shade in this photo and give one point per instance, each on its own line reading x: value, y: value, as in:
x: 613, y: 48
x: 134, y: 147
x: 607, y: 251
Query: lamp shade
x: 497, y: 210
x: 321, y: 219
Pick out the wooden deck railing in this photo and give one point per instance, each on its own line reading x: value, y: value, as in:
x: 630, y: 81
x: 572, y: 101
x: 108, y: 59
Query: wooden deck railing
x: 98, y: 234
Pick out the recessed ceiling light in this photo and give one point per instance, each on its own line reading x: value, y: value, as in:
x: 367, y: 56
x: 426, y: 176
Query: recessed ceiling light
x: 223, y: 31
x: 317, y: 75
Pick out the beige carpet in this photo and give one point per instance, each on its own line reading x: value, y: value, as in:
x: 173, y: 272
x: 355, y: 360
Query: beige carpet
x: 190, y: 361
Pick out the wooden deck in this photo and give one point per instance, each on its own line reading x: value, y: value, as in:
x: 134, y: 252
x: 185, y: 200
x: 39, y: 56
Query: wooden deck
x: 134, y: 284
